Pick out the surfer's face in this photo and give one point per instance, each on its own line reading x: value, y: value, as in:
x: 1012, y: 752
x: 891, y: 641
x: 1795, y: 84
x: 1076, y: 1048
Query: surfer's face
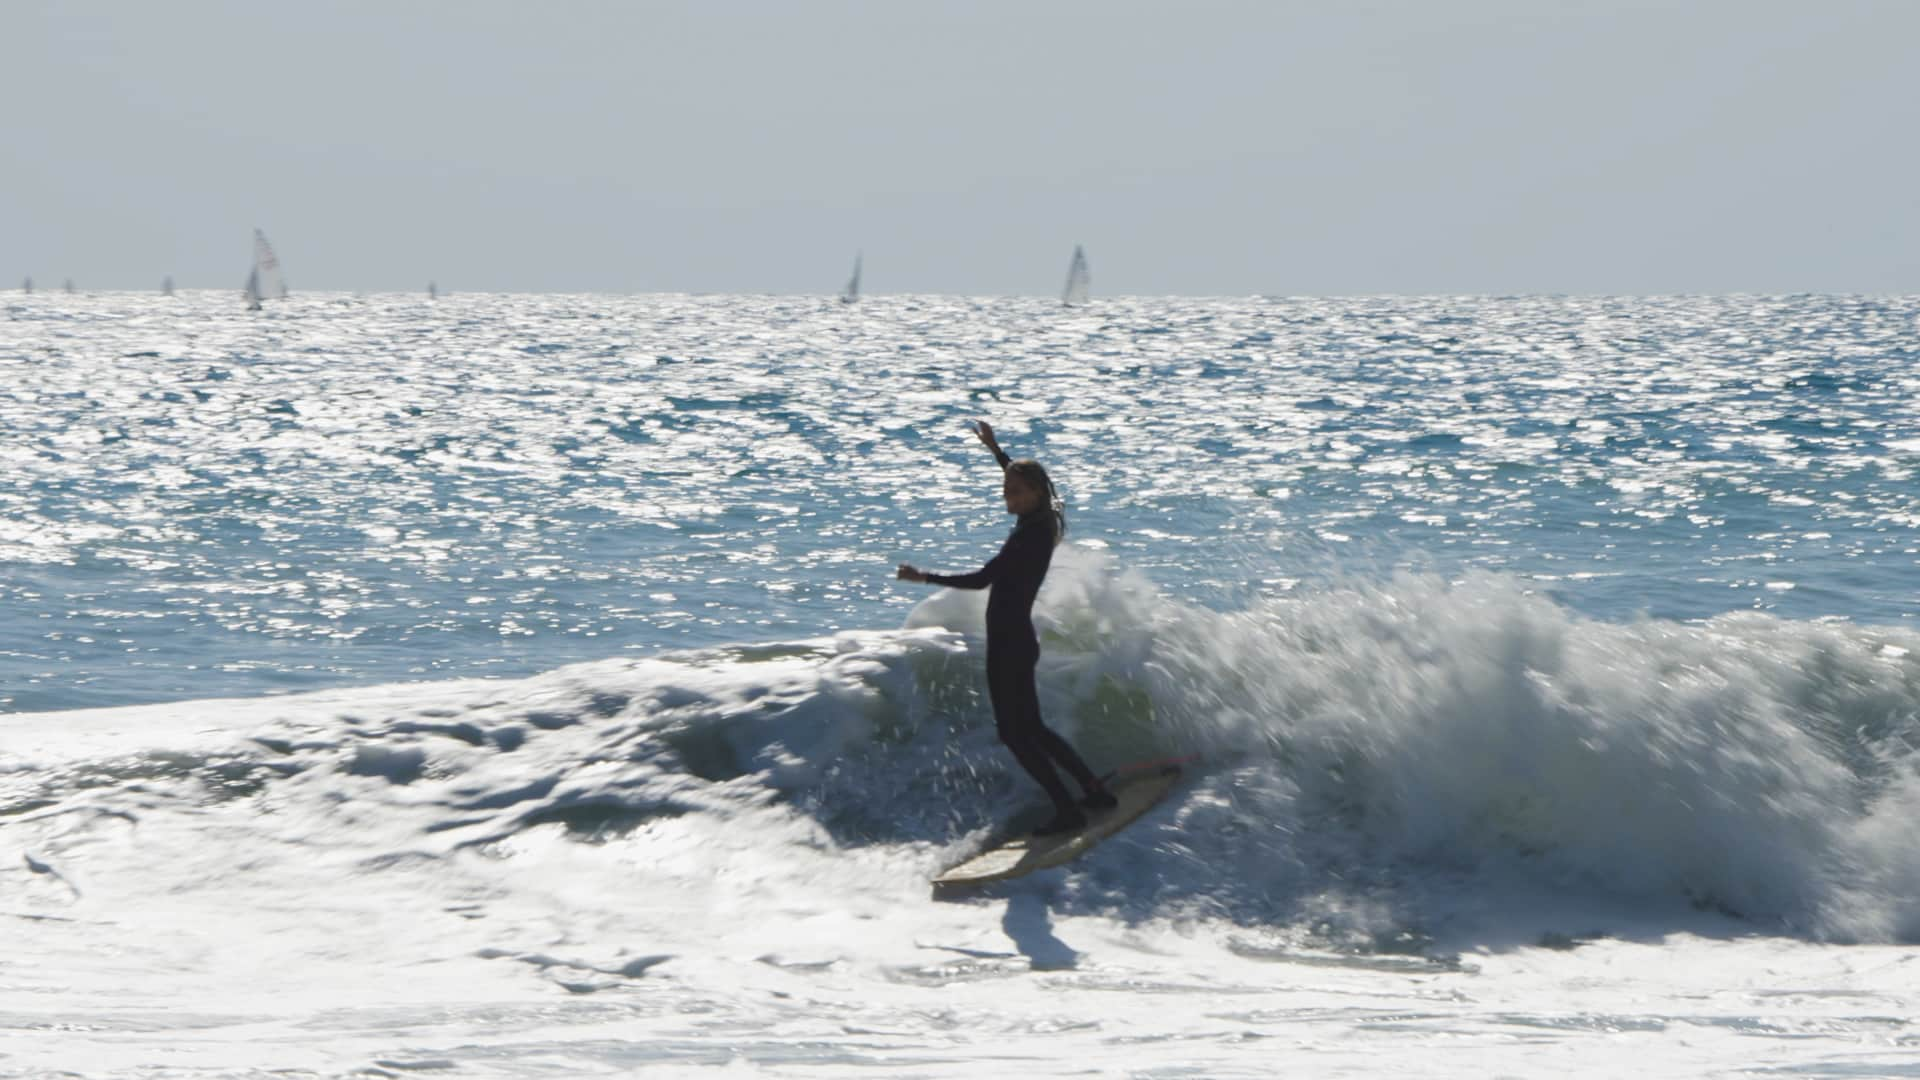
x: 1020, y: 495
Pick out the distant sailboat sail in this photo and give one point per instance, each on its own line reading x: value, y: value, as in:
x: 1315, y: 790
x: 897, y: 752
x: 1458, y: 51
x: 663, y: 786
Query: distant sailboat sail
x: 253, y: 289
x: 70, y: 288
x: 27, y: 286
x: 166, y: 286
x: 433, y: 291
x: 852, y: 291
x: 1077, y: 279
x: 271, y: 283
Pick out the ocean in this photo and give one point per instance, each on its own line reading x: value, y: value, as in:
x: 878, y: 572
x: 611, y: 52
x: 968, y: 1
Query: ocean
x: 518, y: 686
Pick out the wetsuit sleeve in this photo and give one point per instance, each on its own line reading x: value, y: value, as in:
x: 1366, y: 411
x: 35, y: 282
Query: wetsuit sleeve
x: 1023, y: 547
x: 1000, y: 456
x: 979, y: 579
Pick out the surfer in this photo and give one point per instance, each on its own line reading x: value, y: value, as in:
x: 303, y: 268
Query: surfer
x: 1012, y: 647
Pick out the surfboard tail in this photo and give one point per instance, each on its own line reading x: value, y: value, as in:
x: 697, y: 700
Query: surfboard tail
x: 1137, y: 790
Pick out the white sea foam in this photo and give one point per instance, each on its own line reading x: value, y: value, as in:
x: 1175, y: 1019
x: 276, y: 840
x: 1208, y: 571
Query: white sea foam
x: 1412, y: 798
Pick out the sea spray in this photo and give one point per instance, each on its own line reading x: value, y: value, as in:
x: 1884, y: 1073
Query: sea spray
x: 1378, y: 746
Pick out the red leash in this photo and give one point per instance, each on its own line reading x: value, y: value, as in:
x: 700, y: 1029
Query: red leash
x: 1144, y: 766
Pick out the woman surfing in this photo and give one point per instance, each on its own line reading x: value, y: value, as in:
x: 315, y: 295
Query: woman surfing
x: 1013, y: 649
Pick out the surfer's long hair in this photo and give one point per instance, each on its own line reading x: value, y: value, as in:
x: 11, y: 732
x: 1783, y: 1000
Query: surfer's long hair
x: 1034, y: 475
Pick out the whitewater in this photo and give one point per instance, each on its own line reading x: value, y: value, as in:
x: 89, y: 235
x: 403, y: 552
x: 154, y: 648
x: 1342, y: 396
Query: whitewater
x: 517, y: 686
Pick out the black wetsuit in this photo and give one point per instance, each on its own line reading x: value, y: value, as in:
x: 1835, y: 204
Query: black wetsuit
x: 1013, y: 649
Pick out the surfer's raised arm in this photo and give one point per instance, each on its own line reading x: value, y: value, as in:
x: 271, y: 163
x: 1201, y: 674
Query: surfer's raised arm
x: 984, y: 432
x: 986, y: 575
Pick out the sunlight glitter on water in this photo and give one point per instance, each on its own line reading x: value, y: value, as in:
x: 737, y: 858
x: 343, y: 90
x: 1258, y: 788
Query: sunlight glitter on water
x: 340, y: 476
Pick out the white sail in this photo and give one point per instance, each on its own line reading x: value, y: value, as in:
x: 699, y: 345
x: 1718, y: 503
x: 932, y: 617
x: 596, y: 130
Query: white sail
x: 267, y: 266
x: 852, y: 291
x: 253, y: 289
x: 1077, y: 279
x: 166, y: 286
x: 433, y: 291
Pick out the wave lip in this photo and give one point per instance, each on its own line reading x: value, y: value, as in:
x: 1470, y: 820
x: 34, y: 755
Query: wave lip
x: 1749, y: 764
x: 1377, y: 759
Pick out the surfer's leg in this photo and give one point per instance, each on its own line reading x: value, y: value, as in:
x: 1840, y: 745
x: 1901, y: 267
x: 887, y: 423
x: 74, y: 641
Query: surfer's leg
x: 1062, y: 753
x: 1050, y: 742
x: 1096, y: 796
x: 1016, y: 715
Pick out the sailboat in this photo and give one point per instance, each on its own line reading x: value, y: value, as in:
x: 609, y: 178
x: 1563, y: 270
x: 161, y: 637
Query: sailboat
x: 70, y: 289
x: 27, y: 286
x: 1077, y: 279
x: 265, y: 280
x: 433, y: 291
x: 851, y: 294
x: 166, y: 286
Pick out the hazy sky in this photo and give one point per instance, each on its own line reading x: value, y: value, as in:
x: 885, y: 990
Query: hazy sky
x: 1193, y: 147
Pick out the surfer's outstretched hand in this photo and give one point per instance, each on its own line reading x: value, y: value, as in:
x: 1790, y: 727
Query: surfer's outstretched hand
x: 908, y: 573
x: 984, y: 431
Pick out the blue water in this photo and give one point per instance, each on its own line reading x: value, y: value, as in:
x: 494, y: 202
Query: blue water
x: 347, y: 490
x: 1543, y: 668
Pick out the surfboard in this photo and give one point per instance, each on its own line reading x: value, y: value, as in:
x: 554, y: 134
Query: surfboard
x: 1135, y: 790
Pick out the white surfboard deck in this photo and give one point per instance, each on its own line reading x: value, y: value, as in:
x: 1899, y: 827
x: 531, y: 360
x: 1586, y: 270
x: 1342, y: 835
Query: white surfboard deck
x: 1137, y: 792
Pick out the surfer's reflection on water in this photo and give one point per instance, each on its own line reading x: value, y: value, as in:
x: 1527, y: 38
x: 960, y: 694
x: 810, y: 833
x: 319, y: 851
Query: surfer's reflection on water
x: 1013, y: 649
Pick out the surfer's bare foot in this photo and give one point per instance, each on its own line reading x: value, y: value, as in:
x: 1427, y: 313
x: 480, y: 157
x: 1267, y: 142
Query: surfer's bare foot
x: 1065, y: 820
x: 1099, y: 799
